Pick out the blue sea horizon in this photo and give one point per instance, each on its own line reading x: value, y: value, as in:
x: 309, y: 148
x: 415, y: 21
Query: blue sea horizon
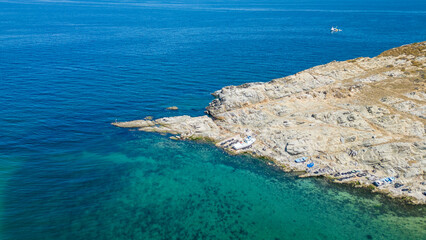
x: 70, y: 68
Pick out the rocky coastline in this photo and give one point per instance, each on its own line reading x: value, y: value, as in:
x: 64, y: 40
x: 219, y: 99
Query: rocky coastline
x: 358, y: 121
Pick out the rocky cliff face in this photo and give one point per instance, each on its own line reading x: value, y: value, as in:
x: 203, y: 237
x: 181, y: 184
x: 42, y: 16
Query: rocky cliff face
x: 358, y: 121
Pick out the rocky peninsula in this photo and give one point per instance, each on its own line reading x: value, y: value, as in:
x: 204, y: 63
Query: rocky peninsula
x: 358, y: 121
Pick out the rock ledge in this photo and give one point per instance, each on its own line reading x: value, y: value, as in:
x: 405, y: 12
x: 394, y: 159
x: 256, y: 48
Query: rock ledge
x: 358, y: 121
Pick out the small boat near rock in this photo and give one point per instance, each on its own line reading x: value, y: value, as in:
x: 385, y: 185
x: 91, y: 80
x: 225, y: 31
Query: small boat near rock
x: 247, y: 142
x: 383, y: 181
x: 301, y: 160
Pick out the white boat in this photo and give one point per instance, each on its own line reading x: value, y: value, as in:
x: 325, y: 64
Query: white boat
x: 335, y: 29
x: 245, y: 143
x: 301, y: 160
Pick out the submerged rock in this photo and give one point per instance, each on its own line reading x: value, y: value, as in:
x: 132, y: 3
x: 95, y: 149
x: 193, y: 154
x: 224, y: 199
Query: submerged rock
x: 365, y: 114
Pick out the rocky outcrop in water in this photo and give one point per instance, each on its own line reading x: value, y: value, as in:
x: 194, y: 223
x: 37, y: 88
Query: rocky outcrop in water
x: 358, y: 121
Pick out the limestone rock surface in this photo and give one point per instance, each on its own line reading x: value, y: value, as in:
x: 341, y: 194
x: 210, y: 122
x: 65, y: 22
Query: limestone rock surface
x: 358, y: 120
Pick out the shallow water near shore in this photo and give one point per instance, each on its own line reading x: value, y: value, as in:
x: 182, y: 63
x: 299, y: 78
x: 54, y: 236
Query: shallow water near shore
x: 151, y: 187
x: 68, y: 69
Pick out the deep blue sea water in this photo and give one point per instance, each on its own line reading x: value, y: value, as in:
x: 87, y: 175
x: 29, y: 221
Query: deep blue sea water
x: 70, y: 68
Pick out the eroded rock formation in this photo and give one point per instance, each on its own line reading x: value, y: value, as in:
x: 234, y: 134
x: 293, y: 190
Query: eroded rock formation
x: 365, y: 114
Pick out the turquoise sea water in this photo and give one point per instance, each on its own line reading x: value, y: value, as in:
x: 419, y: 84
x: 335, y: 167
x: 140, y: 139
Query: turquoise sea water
x: 69, y: 68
